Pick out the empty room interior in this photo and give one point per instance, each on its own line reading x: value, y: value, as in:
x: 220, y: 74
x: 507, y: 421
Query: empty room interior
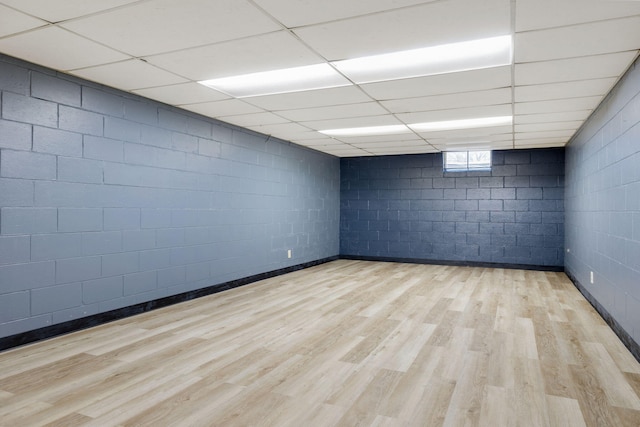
x: 331, y: 213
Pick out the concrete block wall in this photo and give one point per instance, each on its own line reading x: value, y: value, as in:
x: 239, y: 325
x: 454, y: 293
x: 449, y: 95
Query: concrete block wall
x: 407, y: 207
x: 603, y: 204
x: 108, y: 200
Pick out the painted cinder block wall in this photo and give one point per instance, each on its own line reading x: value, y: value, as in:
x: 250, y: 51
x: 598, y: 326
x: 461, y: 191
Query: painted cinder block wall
x: 108, y: 200
x: 603, y: 204
x: 407, y: 207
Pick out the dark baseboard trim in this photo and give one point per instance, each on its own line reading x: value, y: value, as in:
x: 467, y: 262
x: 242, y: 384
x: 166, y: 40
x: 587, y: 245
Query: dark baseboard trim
x: 120, y: 313
x: 558, y: 269
x: 626, y: 339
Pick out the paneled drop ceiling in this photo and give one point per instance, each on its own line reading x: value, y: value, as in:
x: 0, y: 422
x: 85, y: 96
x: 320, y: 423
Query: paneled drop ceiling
x: 567, y: 55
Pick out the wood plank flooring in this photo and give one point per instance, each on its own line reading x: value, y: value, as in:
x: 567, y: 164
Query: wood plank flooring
x: 348, y: 343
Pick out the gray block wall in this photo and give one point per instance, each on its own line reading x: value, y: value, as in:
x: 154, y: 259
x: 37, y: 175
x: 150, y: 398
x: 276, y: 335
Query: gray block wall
x: 108, y: 200
x: 603, y: 204
x: 407, y: 207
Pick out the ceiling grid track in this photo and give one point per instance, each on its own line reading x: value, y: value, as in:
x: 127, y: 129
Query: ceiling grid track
x: 566, y: 57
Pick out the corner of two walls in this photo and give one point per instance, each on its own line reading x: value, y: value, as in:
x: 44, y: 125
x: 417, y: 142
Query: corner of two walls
x: 108, y: 200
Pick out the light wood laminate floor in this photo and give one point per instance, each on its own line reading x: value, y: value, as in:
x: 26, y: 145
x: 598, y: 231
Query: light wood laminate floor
x: 348, y: 343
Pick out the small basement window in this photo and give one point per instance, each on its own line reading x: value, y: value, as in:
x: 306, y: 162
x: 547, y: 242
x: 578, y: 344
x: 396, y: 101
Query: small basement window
x: 467, y: 160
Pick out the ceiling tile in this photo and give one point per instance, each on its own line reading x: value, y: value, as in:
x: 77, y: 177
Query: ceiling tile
x: 475, y: 139
x: 558, y: 134
x: 12, y: 21
x: 579, y: 40
x: 343, y: 151
x: 415, y: 27
x: 56, y: 11
x: 388, y: 144
x: 536, y: 14
x: 318, y: 142
x: 380, y: 138
x: 310, y: 135
x: 544, y: 127
x: 58, y: 49
x: 383, y: 151
x: 538, y: 144
x: 250, y: 55
x: 310, y: 99
x: 468, y: 133
x: 184, y: 93
x: 256, y: 119
x: 573, y: 69
x: 299, y: 13
x: 352, y: 122
x: 229, y: 107
x: 504, y: 145
x: 543, y: 92
x: 450, y: 101
x: 334, y: 112
x: 286, y: 131
x: 560, y: 105
x: 501, y: 145
x: 552, y: 117
x: 152, y: 27
x: 392, y: 144
x: 489, y: 145
x: 541, y: 142
x: 456, y: 114
x: 465, y: 81
x: 127, y: 75
x: 359, y: 153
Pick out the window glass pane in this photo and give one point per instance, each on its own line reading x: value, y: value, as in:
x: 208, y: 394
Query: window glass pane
x: 479, y: 159
x: 455, y: 160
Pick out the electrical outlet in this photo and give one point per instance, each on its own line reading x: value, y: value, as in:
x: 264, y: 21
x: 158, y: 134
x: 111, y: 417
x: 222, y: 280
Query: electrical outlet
x: 289, y: 256
x: 591, y: 277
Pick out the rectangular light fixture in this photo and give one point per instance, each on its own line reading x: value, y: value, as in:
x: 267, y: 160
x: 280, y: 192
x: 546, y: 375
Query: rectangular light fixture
x: 421, y: 127
x: 366, y: 131
x: 441, y: 59
x: 462, y: 124
x: 297, y: 79
x: 446, y: 58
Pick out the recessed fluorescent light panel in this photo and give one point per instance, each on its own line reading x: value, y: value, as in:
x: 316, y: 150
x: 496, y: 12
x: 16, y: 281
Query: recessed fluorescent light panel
x: 462, y: 124
x: 365, y: 131
x: 421, y: 127
x: 297, y: 79
x: 447, y: 58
